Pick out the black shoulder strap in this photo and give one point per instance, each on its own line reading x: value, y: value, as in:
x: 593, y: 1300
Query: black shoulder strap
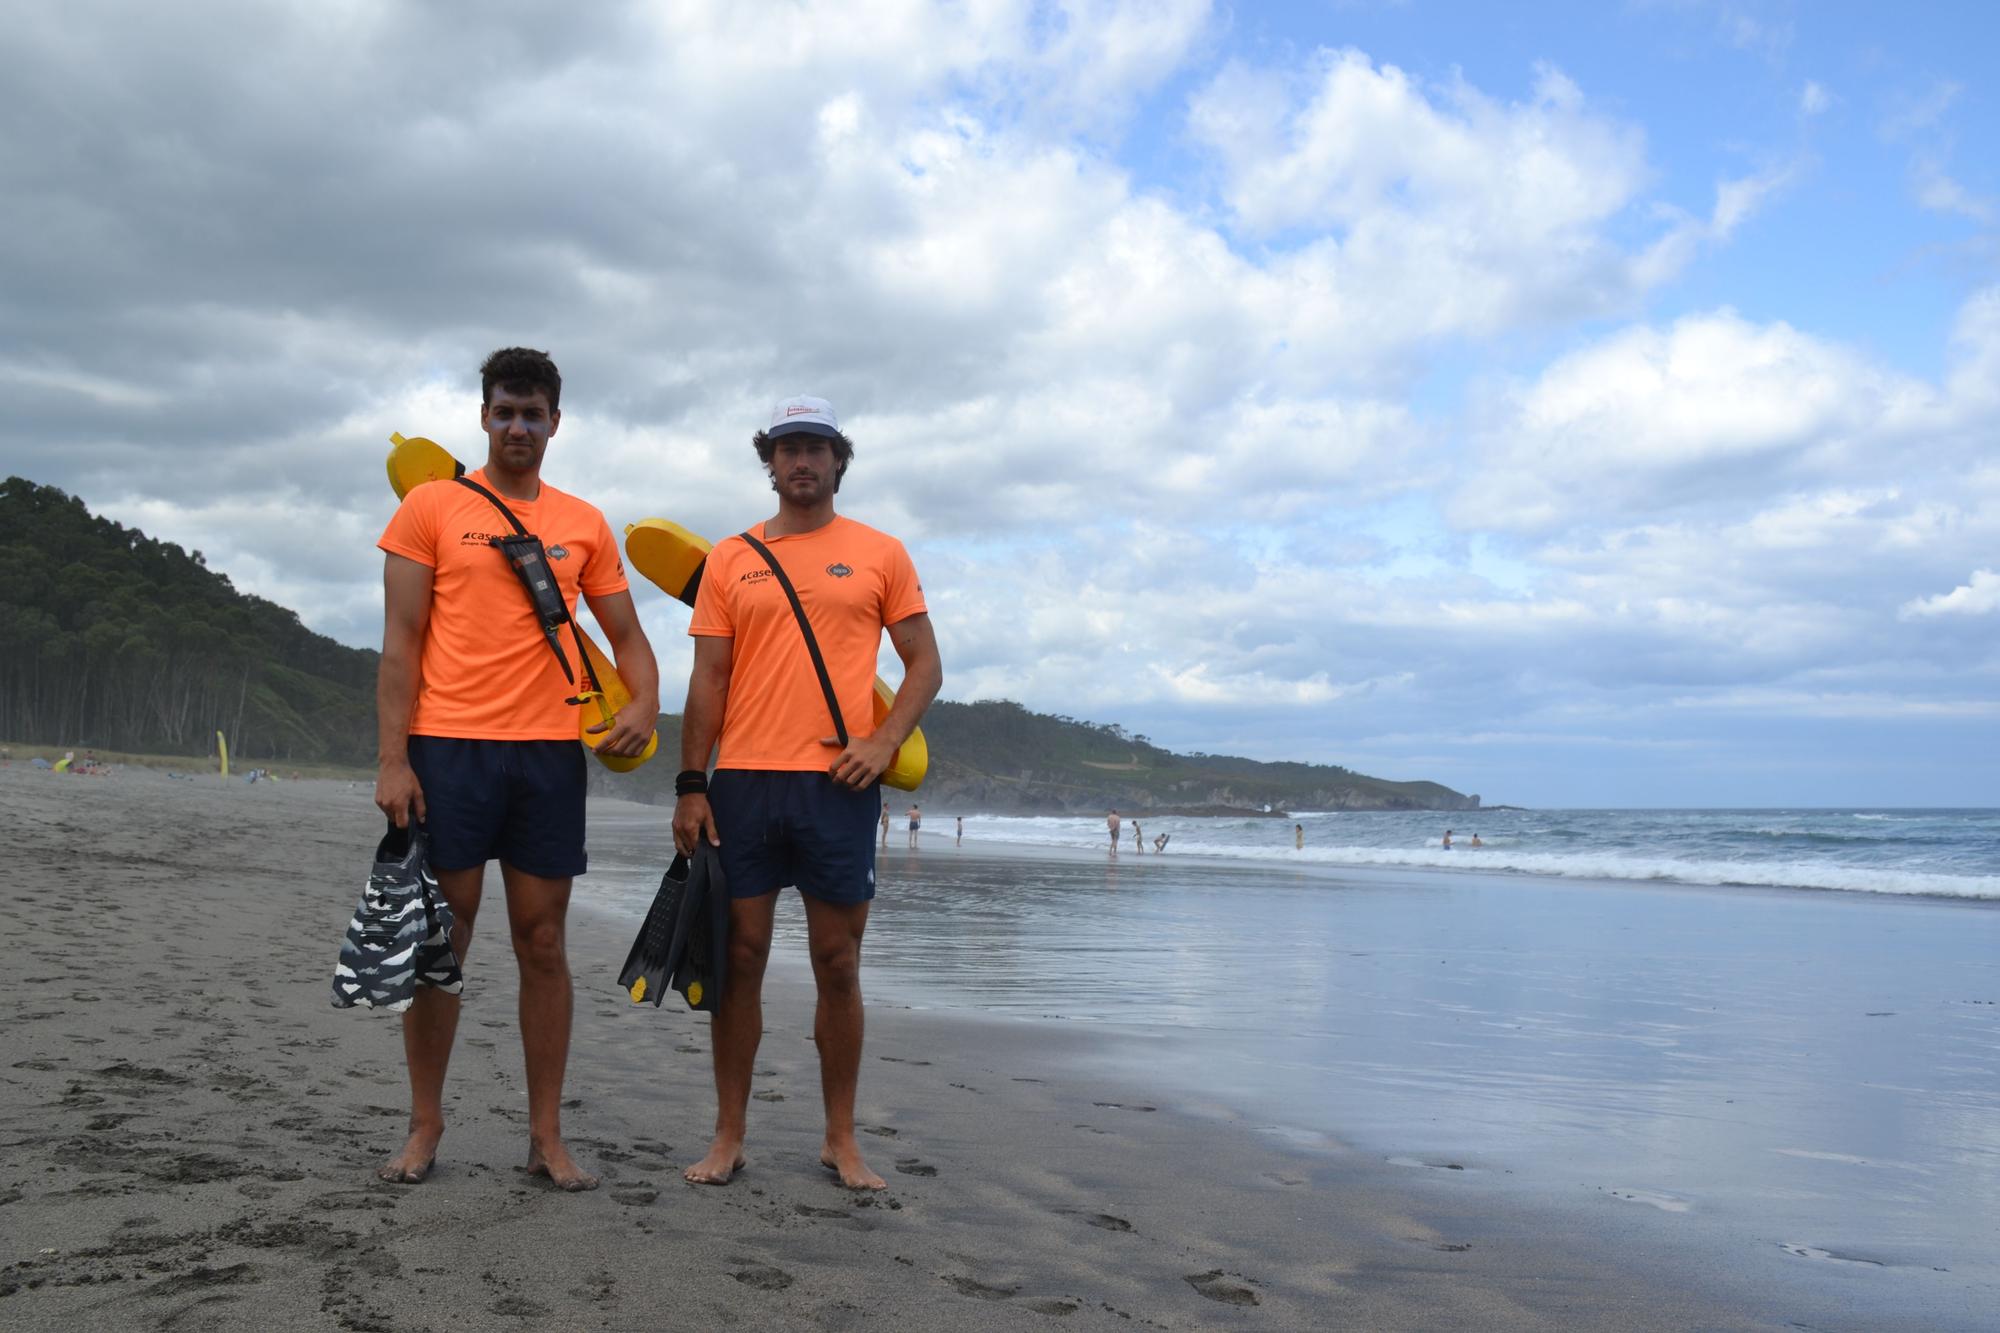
x: 497, y: 503
x: 805, y: 628
x: 582, y: 657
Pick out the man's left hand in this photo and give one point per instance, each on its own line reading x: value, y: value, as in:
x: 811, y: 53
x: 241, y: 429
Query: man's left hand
x: 630, y: 729
x: 862, y: 763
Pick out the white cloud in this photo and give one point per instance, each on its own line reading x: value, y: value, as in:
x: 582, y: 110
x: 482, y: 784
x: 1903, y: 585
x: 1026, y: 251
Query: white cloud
x: 1479, y: 211
x: 1979, y: 597
x: 1814, y: 99
x: 1938, y: 192
x: 1650, y: 419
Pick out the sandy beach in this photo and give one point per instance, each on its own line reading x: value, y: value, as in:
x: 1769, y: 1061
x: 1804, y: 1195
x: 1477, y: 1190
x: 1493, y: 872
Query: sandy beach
x: 191, y: 1133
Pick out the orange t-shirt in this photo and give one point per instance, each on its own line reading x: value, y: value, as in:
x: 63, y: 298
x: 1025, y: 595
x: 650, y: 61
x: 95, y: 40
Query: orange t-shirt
x: 487, y: 673
x: 852, y: 581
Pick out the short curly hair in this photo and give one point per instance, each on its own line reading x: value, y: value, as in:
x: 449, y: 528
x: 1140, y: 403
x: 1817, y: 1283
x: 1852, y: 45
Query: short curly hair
x: 843, y: 454
x: 520, y: 370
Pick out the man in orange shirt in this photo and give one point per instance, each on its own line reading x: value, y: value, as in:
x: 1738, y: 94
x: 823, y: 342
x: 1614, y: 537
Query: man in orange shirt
x: 478, y: 739
x: 787, y: 803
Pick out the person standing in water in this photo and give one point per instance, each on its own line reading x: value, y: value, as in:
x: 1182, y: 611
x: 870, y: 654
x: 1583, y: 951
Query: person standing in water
x: 1111, y: 821
x: 783, y: 808
x: 1447, y: 839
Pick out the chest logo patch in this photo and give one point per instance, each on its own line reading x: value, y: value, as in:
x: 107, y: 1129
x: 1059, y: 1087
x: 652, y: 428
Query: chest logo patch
x: 839, y: 571
x: 559, y: 552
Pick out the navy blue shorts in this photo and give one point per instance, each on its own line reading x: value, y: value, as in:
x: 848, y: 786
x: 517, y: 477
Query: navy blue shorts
x: 781, y: 828
x: 520, y: 802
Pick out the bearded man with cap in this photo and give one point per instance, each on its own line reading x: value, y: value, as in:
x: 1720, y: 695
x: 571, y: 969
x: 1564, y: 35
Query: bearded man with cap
x: 788, y: 804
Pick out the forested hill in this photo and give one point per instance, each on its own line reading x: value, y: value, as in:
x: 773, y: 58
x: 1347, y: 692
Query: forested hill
x: 1000, y: 758
x: 113, y: 640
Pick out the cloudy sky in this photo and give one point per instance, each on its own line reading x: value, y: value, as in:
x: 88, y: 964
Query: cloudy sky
x: 1586, y: 404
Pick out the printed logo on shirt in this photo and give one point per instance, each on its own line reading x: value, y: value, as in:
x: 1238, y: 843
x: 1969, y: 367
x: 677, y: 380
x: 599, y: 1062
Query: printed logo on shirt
x: 559, y: 552
x: 839, y: 571
x: 754, y: 576
x: 478, y: 539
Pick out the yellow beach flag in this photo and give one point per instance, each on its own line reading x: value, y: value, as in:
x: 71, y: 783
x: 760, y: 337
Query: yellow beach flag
x: 222, y: 748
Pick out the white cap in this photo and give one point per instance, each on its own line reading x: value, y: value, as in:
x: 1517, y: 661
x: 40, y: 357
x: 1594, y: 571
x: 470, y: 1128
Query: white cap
x: 803, y: 412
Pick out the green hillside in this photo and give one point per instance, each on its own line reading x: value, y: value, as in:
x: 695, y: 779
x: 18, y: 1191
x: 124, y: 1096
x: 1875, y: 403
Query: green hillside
x: 113, y: 640
x: 1000, y: 758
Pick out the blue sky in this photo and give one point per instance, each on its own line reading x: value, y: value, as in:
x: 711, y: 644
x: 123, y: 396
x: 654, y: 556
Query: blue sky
x: 1575, y: 404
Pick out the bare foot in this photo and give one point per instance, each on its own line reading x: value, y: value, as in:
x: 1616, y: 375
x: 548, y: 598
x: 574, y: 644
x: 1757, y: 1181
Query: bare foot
x: 845, y: 1160
x: 414, y: 1162
x: 553, y: 1160
x: 725, y: 1158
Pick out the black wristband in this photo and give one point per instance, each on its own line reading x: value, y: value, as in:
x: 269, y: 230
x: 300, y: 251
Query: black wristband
x: 691, y: 782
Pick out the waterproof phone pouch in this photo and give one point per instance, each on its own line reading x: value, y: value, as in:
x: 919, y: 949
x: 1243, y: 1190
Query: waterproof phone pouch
x: 530, y: 562
x: 531, y: 565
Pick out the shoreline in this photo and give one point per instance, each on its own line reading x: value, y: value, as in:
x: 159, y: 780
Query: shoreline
x: 193, y: 1131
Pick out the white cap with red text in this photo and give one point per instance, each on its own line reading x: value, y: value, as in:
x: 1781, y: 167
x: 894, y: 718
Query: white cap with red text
x: 803, y: 413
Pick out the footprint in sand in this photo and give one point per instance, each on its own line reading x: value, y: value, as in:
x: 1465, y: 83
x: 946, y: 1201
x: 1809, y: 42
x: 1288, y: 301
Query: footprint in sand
x: 1828, y: 1256
x: 1427, y: 1166
x: 763, y: 1277
x: 1277, y: 1178
x: 911, y: 1166
x: 1215, y: 1285
x: 807, y: 1210
x: 1666, y: 1203
x: 880, y: 1131
x: 1122, y: 1106
x: 769, y: 1096
x: 519, y: 1307
x: 899, y: 1060
x: 1060, y: 1309
x: 637, y: 1196
x: 965, y: 1286
x: 1102, y: 1221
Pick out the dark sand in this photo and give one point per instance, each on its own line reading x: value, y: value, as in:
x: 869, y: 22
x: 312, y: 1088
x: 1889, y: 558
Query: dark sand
x: 191, y: 1133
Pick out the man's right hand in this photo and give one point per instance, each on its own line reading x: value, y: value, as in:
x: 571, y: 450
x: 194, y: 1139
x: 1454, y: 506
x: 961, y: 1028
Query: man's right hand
x: 396, y: 790
x: 693, y: 821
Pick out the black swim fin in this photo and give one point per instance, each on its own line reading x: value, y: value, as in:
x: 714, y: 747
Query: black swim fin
x: 651, y: 962
x: 700, y: 951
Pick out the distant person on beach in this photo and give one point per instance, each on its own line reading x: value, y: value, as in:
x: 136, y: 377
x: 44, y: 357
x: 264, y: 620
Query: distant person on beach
x: 961, y: 831
x: 916, y: 823
x: 1111, y: 822
x: 1138, y: 837
x: 477, y: 737
x: 1447, y: 839
x: 782, y: 807
x: 885, y: 826
x: 1299, y: 836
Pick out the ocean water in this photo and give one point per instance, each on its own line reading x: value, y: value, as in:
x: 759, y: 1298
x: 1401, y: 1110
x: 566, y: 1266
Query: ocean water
x: 1946, y: 853
x: 1638, y: 1013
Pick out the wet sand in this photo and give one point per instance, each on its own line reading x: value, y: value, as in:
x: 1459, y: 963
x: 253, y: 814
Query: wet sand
x: 191, y: 1133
